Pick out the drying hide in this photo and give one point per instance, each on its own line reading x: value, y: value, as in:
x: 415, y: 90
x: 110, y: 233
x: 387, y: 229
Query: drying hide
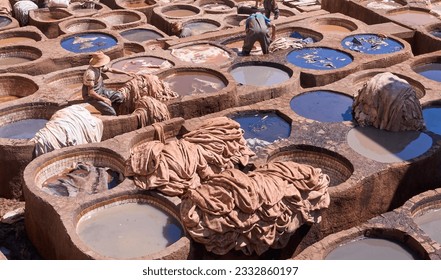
x: 73, y: 125
x: 149, y: 111
x: 390, y: 103
x: 21, y: 11
x: 256, y: 211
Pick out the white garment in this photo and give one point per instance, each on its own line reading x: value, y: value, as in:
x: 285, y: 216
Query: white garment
x: 73, y: 125
x: 21, y: 11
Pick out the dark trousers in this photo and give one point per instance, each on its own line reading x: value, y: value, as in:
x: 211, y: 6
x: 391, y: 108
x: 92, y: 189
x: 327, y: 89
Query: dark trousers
x: 101, y: 106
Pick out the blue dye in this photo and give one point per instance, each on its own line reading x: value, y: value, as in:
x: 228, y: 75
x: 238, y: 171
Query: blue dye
x: 371, y: 44
x: 432, y: 118
x: 319, y: 58
x: 298, y: 35
x: 430, y: 71
x: 259, y: 75
x: 436, y: 33
x: 172, y: 231
x: 264, y: 126
x: 323, y: 106
x: 4, y: 21
x: 90, y: 42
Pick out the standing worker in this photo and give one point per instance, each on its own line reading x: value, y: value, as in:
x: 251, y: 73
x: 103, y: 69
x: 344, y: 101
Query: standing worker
x: 93, y: 90
x: 256, y: 28
x: 271, y: 6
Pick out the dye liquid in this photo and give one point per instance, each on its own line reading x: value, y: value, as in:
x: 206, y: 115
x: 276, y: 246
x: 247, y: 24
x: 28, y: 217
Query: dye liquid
x: 90, y: 42
x: 15, y: 40
x: 24, y: 129
x: 387, y: 147
x: 323, y: 106
x: 188, y: 83
x: 413, y: 17
x: 200, y: 27
x: 13, y: 60
x: 259, y: 75
x: 141, y: 64
x: 319, y: 58
x: 268, y: 127
x: 371, y: 44
x: 432, y: 117
x: 332, y: 28
x: 129, y: 230
x: 4, y: 21
x: 180, y: 13
x: 431, y: 71
x: 436, y: 33
x: 140, y: 35
x: 370, y: 249
x: 430, y: 223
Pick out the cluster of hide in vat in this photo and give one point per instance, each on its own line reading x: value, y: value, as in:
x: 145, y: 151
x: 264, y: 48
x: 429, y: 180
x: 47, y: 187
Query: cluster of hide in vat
x: 223, y: 207
x: 390, y: 103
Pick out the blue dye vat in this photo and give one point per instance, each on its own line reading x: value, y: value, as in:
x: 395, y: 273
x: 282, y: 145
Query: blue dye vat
x: 323, y: 106
x: 432, y: 118
x: 430, y: 71
x: 263, y: 126
x: 436, y: 33
x: 319, y: 58
x: 371, y: 44
x: 23, y: 129
x: 90, y: 42
x: 4, y: 21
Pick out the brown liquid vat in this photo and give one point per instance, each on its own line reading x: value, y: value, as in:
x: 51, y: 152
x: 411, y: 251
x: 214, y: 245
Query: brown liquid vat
x: 235, y: 20
x: 19, y: 59
x: 131, y: 48
x: 81, y: 10
x: 144, y: 6
x: 16, y: 86
x: 327, y: 25
x: 163, y: 16
x: 25, y: 35
x: 413, y: 16
x: 81, y: 24
x: 196, y: 105
x: 47, y: 21
x: 122, y: 19
x: 17, y: 153
x: 338, y: 168
x: 216, y: 6
x: 205, y: 25
x: 305, y: 32
x: 381, y: 230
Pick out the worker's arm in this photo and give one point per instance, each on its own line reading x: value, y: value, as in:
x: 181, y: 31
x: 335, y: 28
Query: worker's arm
x: 273, y: 32
x: 92, y: 93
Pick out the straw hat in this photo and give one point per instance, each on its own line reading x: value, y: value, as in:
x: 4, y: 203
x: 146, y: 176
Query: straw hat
x: 99, y: 59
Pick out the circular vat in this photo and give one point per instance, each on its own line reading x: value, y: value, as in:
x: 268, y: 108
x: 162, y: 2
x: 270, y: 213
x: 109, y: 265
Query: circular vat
x: 319, y: 58
x: 371, y: 44
x: 17, y: 54
x: 142, y: 64
x: 122, y: 19
x: 39, y: 16
x: 201, y: 26
x: 323, y: 106
x: 140, y: 34
x: 4, y: 21
x: 15, y: 86
x: 71, y: 81
x: 425, y: 210
x: 81, y: 24
x: 119, y: 229
x: 216, y: 6
x: 300, y: 33
x: 375, y: 245
x: 386, y: 146
x: 85, y: 9
x: 434, y: 30
x: 429, y: 68
x: 79, y: 172
x: 363, y: 78
x: 88, y: 42
x: 138, y: 5
x: 262, y: 127
x: 284, y: 13
x: 257, y: 73
x: 18, y: 36
x: 413, y: 16
x: 202, y: 53
x: 180, y: 11
x: 334, y: 25
x: 236, y: 44
x: 432, y: 115
x: 131, y: 48
x: 235, y: 20
x: 193, y: 82
x: 338, y: 168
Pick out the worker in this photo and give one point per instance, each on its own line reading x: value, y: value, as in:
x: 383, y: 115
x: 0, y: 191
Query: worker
x: 270, y: 6
x: 256, y: 28
x: 93, y: 90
